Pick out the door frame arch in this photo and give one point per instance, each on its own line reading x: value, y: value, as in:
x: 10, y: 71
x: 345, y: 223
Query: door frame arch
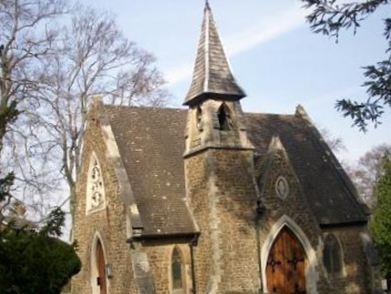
x: 310, y: 269
x: 93, y: 264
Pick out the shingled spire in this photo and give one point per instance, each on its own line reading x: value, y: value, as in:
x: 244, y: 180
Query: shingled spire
x: 212, y: 76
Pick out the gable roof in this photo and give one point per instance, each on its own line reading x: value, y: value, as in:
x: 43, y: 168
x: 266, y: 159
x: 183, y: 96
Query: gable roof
x: 329, y: 192
x: 212, y: 73
x: 151, y: 144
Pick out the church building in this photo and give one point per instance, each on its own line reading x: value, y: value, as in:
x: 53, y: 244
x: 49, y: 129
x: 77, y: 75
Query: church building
x: 211, y: 199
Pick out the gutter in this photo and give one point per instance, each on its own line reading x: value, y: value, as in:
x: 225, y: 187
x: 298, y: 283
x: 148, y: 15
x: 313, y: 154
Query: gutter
x: 142, y: 237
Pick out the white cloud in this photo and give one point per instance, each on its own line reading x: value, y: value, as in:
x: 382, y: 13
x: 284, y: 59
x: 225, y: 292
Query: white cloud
x: 250, y: 38
x: 270, y: 28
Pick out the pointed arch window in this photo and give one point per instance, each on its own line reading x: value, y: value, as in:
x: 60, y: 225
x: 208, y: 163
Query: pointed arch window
x: 224, y: 117
x: 96, y: 198
x: 177, y: 270
x: 332, y: 255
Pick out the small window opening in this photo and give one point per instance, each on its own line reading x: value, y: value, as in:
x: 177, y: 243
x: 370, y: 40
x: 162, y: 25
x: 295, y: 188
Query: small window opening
x: 199, y: 118
x: 332, y: 255
x: 224, y: 118
x: 176, y: 270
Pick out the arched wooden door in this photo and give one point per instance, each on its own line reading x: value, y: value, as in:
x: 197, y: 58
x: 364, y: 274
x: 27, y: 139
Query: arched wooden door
x: 286, y: 262
x: 100, y: 259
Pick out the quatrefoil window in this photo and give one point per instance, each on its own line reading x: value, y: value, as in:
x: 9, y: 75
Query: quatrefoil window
x: 95, y: 186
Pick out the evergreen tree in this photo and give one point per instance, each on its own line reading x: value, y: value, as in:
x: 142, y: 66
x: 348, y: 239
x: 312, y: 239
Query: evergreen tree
x: 36, y: 261
x: 329, y: 17
x: 381, y: 225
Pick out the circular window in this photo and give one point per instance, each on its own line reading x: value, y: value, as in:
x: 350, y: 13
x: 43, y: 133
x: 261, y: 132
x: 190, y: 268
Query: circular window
x: 282, y: 187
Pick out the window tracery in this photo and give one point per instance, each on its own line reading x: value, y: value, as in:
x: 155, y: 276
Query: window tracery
x: 95, y: 186
x: 282, y: 187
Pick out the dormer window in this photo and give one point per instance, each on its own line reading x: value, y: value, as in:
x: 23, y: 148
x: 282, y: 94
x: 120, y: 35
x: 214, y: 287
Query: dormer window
x: 224, y: 117
x: 96, y: 199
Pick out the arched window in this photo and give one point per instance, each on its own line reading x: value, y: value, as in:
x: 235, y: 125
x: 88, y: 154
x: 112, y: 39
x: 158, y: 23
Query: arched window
x: 95, y: 186
x: 177, y: 272
x: 224, y: 117
x: 332, y: 255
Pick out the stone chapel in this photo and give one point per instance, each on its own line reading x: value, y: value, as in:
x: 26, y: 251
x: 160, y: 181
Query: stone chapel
x: 211, y: 199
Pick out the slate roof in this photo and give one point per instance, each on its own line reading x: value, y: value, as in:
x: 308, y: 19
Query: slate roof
x: 212, y: 73
x: 151, y: 144
x: 328, y: 190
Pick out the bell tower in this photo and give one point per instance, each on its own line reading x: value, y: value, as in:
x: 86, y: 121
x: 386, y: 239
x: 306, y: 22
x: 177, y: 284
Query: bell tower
x: 219, y: 172
x: 215, y: 118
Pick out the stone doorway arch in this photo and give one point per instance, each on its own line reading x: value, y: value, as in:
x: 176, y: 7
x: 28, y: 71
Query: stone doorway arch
x: 99, y: 281
x: 283, y: 224
x: 285, y: 268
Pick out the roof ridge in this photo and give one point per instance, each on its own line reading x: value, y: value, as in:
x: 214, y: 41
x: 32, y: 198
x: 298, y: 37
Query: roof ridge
x: 142, y: 107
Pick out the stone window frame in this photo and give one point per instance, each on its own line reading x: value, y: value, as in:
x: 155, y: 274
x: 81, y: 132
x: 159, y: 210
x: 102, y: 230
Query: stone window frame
x: 311, y: 273
x: 286, y: 183
x: 199, y: 119
x: 182, y: 290
x: 224, y: 117
x: 342, y: 271
x: 94, y: 163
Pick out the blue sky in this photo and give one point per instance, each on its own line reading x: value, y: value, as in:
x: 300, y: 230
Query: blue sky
x: 274, y: 55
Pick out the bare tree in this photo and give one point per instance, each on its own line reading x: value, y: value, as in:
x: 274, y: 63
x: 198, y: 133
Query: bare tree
x: 368, y: 171
x: 26, y: 37
x: 21, y: 46
x: 51, y: 75
x: 92, y: 58
x: 336, y: 144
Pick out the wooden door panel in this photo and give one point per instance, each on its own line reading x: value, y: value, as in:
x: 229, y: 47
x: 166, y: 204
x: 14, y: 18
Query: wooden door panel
x: 101, y: 268
x: 285, y: 268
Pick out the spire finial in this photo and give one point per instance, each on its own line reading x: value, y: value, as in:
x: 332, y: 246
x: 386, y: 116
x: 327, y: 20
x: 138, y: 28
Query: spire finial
x: 207, y: 6
x: 212, y: 75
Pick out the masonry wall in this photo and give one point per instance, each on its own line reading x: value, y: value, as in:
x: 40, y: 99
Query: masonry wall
x: 222, y: 196
x: 290, y: 211
x: 109, y: 223
x: 160, y: 259
x: 357, y: 275
x: 196, y: 183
